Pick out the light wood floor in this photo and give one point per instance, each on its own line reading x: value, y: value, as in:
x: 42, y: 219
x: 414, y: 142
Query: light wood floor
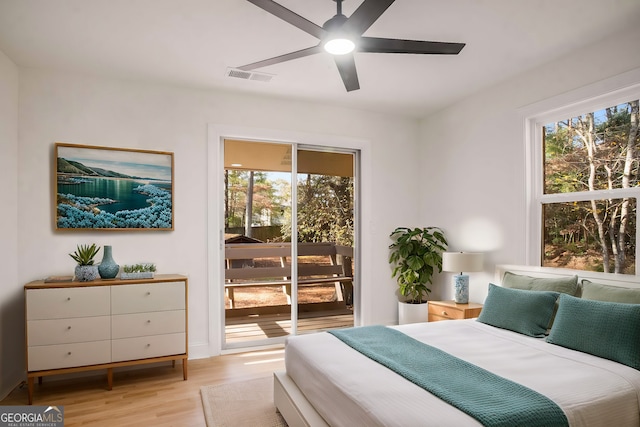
x: 150, y: 396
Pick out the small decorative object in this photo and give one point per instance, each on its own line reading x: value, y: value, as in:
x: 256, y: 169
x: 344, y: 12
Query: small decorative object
x: 138, y: 271
x: 415, y: 256
x: 462, y: 261
x: 85, y: 270
x: 108, y: 268
x: 58, y: 279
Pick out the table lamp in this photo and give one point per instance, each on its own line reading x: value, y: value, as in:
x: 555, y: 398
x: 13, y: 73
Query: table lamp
x: 461, y: 262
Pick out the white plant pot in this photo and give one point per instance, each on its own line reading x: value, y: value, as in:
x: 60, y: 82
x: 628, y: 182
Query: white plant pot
x: 412, y: 313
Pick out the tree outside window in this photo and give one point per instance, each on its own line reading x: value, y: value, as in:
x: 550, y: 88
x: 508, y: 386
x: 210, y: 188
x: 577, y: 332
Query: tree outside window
x: 591, y: 184
x: 325, y: 205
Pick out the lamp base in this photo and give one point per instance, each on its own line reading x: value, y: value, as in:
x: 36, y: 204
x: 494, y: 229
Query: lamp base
x: 461, y: 286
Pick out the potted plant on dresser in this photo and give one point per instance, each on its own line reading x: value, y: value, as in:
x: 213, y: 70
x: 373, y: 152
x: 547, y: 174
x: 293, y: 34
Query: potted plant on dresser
x: 416, y: 254
x: 85, y: 271
x: 138, y: 271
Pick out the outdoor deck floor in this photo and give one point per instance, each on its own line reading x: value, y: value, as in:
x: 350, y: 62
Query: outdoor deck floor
x: 258, y: 327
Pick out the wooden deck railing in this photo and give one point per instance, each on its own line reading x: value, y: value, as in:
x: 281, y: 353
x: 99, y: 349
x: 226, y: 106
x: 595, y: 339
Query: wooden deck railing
x: 269, y: 264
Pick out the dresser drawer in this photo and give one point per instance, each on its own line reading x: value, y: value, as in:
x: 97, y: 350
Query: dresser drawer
x: 45, y: 357
x: 146, y: 347
x: 59, y: 303
x: 127, y: 299
x: 446, y: 312
x: 64, y: 331
x: 449, y: 310
x: 152, y: 323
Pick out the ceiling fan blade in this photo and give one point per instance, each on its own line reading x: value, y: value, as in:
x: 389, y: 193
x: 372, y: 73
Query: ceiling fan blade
x: 365, y: 15
x: 381, y: 45
x: 347, y: 68
x: 282, y: 58
x: 290, y: 17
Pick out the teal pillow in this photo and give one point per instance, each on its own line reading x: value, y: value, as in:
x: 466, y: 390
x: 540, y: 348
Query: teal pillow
x: 526, y: 312
x: 599, y: 292
x: 609, y: 330
x: 565, y: 285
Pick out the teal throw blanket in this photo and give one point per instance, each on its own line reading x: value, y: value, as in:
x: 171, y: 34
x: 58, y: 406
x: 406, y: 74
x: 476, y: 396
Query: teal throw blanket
x: 487, y: 397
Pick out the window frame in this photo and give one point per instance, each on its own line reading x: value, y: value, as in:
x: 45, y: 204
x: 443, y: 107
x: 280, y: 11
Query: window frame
x: 613, y: 91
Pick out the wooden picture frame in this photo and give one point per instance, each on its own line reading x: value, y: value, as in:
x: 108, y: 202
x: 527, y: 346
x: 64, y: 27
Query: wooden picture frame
x: 104, y: 188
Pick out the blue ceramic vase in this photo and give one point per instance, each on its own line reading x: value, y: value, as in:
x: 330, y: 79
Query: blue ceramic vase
x: 108, y: 268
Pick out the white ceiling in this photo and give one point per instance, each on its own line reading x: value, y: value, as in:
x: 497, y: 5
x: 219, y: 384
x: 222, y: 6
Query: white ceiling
x: 192, y: 42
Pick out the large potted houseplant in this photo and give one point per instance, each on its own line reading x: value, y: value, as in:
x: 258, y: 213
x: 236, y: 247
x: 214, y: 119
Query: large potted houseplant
x: 84, y: 255
x: 416, y: 255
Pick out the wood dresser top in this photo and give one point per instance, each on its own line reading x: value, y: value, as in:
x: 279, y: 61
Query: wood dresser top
x: 159, y: 278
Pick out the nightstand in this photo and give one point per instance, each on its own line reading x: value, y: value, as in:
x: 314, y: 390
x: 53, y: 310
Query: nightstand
x: 450, y: 310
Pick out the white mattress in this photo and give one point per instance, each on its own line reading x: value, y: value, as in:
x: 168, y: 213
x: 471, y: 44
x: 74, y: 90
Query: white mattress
x: 349, y: 389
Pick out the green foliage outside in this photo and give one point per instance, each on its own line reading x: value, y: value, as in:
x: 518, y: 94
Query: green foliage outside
x: 325, y: 205
x: 267, y: 200
x: 591, y: 152
x: 325, y: 210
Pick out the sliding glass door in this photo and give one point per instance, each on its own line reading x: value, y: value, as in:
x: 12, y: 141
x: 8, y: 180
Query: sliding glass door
x: 325, y: 234
x: 276, y: 194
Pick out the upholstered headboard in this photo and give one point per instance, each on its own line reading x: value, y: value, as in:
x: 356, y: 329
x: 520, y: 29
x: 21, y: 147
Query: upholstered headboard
x: 620, y: 280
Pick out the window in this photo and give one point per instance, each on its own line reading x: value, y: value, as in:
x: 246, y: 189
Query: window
x: 587, y: 185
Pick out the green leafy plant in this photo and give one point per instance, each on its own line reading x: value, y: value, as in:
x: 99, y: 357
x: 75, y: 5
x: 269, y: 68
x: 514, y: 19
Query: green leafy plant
x: 139, y: 268
x: 84, y: 254
x: 415, y: 256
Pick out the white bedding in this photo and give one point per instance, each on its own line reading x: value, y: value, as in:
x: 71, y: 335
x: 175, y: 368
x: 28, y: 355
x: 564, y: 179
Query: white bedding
x: 349, y: 389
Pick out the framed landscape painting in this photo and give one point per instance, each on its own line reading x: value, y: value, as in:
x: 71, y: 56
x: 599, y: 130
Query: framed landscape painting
x: 102, y: 188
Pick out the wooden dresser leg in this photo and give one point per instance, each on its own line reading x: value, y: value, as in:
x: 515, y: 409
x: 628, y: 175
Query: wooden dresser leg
x: 184, y: 369
x: 109, y: 378
x: 30, y: 389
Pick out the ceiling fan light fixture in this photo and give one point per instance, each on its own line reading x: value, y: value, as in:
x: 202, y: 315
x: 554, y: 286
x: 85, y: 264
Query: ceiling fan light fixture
x: 337, y: 41
x: 340, y: 36
x: 339, y: 46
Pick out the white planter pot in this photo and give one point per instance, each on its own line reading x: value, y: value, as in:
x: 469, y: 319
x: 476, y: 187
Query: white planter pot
x: 412, y: 313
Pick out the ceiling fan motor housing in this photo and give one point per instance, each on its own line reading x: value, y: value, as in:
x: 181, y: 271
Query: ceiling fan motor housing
x: 335, y: 23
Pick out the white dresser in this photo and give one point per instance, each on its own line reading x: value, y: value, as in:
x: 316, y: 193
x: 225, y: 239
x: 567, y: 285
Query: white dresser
x: 80, y: 326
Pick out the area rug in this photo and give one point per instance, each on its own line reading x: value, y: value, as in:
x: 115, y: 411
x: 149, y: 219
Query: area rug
x: 243, y: 403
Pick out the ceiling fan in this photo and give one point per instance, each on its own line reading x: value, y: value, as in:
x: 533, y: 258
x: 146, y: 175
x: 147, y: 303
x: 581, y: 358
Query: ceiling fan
x: 341, y: 36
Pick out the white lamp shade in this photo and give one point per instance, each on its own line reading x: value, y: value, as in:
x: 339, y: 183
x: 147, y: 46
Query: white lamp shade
x: 462, y: 261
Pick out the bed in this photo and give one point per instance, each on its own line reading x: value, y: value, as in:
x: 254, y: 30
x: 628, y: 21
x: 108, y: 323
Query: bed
x: 327, y: 382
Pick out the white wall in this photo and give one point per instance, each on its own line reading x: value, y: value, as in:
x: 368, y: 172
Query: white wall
x: 473, y: 156
x: 94, y: 111
x: 11, y: 295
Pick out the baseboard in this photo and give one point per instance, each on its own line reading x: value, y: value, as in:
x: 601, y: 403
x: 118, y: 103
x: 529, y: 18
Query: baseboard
x: 199, y: 351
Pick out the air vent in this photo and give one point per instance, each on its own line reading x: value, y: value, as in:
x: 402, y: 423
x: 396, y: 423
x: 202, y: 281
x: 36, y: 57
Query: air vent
x: 249, y: 75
